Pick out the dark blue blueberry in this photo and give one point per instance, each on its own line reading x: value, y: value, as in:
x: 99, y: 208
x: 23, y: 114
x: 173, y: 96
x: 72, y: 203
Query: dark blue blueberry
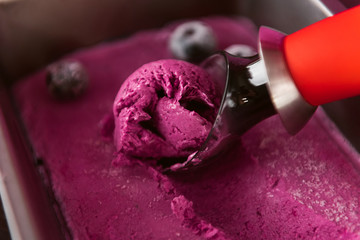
x: 241, y: 50
x: 66, y: 79
x: 192, y: 41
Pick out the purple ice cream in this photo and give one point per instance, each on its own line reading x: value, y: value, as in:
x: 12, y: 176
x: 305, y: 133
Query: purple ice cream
x: 272, y: 186
x: 165, y: 109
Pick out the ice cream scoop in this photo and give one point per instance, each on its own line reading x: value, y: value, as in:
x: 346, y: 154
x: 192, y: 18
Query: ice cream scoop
x: 164, y: 110
x: 290, y: 76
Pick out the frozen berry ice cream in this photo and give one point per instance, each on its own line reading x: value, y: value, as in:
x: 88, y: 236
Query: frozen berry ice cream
x: 165, y: 109
x: 271, y: 186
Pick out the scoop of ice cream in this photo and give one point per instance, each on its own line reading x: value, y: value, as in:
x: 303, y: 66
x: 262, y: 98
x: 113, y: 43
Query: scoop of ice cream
x: 165, y: 109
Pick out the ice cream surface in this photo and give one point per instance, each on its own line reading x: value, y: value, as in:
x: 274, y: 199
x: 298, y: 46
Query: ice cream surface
x: 165, y: 109
x: 273, y: 186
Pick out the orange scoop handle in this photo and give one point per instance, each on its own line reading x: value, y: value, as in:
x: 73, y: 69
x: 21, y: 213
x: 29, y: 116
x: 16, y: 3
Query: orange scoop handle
x: 324, y: 58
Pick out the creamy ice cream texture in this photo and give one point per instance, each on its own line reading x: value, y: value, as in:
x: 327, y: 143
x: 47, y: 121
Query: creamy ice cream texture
x: 272, y: 186
x: 165, y: 109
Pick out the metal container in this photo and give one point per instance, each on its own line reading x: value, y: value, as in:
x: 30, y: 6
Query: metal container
x: 35, y: 32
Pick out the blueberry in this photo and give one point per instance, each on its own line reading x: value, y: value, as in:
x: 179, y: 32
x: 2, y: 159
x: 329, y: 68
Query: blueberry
x: 66, y: 79
x: 192, y: 41
x: 241, y: 50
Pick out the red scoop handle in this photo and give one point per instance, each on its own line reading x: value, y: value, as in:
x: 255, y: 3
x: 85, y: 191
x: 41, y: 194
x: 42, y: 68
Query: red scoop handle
x: 324, y: 58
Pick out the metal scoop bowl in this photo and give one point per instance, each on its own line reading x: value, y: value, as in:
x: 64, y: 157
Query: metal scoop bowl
x: 254, y: 88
